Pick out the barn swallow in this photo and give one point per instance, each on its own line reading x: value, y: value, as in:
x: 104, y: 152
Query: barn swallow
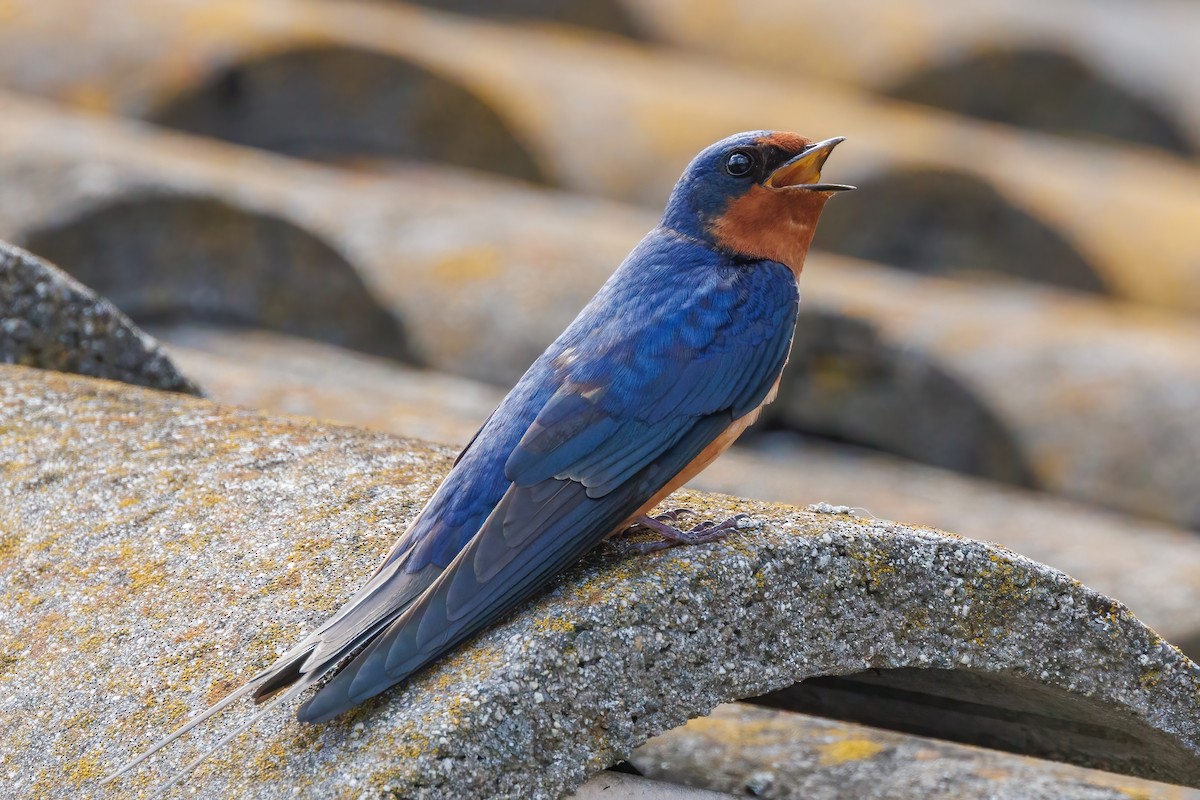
x: 663, y: 369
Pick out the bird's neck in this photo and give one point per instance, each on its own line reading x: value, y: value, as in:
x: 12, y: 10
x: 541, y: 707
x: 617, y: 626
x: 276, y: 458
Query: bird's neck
x: 677, y: 235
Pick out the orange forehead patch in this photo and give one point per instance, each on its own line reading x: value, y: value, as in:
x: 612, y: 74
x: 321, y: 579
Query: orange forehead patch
x: 791, y: 142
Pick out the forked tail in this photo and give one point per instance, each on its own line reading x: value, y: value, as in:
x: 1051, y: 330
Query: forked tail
x: 285, y: 674
x: 385, y: 596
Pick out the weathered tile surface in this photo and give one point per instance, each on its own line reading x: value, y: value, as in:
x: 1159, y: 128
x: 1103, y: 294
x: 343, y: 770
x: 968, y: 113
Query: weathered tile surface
x: 157, y: 548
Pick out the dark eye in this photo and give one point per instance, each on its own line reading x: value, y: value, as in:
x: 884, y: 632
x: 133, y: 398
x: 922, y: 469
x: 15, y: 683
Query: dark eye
x: 739, y: 163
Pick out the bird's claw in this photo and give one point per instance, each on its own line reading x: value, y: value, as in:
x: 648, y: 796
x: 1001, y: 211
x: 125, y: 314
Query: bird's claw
x: 674, y: 514
x: 707, y: 531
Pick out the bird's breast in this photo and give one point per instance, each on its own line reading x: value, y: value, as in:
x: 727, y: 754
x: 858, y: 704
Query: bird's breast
x: 709, y: 454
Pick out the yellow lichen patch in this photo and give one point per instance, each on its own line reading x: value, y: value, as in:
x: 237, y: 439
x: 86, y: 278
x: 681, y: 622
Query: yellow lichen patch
x: 311, y: 545
x: 878, y: 566
x: 745, y: 732
x: 468, y: 265
x: 760, y: 580
x: 596, y: 589
x: 86, y: 768
x: 221, y: 687
x: 554, y: 624
x: 469, y: 661
x: 287, y: 580
x: 268, y: 760
x: 92, y: 642
x: 8, y: 546
x: 143, y: 574
x: 844, y: 750
x: 196, y: 663
x: 398, y: 775
x: 158, y: 711
x: 192, y: 541
x: 49, y: 629
x: 268, y: 642
x: 996, y: 593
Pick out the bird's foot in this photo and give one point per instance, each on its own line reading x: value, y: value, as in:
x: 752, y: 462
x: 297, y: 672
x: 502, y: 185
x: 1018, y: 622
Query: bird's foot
x: 670, y: 536
x: 645, y: 524
x: 673, y: 515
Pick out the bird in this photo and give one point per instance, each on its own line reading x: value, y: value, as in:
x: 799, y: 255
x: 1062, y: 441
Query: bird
x: 671, y: 360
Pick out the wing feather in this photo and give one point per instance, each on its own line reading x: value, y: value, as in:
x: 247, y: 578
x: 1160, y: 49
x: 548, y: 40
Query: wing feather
x: 490, y: 576
x: 619, y: 426
x: 633, y: 391
x: 599, y: 435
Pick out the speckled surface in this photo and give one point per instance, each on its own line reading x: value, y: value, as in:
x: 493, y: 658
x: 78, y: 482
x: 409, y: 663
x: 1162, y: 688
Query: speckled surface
x: 50, y: 321
x: 154, y: 549
x: 761, y: 752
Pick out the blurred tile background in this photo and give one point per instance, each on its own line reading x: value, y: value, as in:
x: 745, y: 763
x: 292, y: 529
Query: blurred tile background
x: 380, y: 213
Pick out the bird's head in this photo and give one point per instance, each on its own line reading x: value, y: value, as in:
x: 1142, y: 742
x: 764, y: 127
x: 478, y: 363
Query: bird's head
x: 756, y: 195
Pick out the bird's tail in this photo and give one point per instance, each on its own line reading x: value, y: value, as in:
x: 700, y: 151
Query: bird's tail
x: 287, y: 673
x: 384, y: 597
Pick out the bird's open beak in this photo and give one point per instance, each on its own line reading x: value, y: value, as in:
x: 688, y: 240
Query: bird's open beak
x: 804, y: 171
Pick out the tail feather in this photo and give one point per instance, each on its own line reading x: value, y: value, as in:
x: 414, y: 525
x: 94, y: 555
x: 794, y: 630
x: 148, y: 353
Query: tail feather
x: 372, y: 608
x: 302, y: 666
x: 229, y: 737
x: 180, y: 732
x: 282, y: 674
x: 289, y: 673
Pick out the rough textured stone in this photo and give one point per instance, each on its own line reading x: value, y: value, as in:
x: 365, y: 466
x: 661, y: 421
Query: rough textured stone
x: 1153, y: 568
x: 1010, y: 382
x: 1140, y: 60
x: 611, y: 785
x: 50, y: 321
x: 655, y: 109
x: 157, y: 549
x: 783, y: 756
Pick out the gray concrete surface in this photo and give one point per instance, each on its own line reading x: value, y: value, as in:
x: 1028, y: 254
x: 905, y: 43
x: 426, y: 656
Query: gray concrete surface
x: 610, y: 786
x: 51, y: 321
x: 157, y: 549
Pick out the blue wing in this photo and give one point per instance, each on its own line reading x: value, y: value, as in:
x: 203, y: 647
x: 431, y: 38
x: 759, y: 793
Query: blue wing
x: 643, y: 387
x: 677, y: 345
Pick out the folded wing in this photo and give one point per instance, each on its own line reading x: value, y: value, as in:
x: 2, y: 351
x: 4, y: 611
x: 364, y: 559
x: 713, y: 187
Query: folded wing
x: 644, y: 403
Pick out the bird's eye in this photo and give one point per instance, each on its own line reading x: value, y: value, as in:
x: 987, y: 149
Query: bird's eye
x: 739, y: 163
